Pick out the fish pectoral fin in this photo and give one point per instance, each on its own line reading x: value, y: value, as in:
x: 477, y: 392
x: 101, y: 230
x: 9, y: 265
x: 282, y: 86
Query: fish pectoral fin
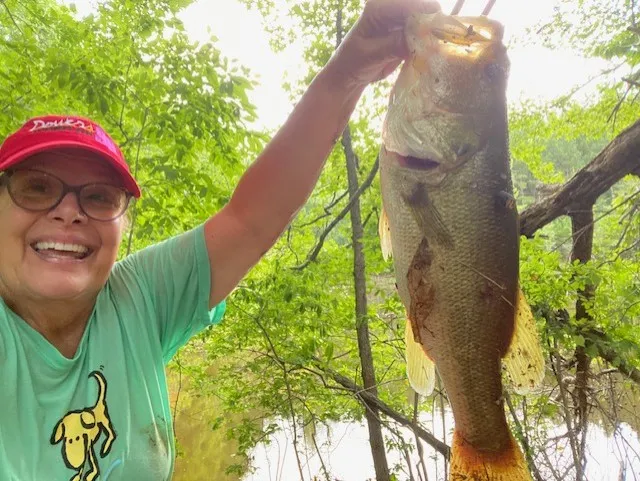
x: 421, y: 371
x: 384, y: 232
x: 428, y: 218
x: 470, y: 463
x: 524, y: 361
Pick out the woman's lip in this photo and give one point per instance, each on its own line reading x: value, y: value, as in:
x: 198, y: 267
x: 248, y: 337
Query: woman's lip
x: 60, y: 259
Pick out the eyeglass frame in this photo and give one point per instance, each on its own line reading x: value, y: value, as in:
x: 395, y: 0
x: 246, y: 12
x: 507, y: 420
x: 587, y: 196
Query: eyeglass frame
x: 66, y: 188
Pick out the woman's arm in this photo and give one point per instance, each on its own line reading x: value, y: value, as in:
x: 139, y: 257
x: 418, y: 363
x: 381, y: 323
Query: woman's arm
x: 279, y: 182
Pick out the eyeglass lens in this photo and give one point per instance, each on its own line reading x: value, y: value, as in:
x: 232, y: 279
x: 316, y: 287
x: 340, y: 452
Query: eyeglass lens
x: 38, y: 191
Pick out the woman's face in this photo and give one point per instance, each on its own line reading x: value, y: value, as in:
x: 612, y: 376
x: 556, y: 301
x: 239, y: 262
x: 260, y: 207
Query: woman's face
x: 59, y: 254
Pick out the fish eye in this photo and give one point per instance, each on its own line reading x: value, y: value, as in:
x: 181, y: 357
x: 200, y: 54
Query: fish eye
x: 463, y: 150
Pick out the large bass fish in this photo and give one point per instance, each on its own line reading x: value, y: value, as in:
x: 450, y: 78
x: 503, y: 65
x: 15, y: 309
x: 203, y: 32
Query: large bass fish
x: 450, y: 222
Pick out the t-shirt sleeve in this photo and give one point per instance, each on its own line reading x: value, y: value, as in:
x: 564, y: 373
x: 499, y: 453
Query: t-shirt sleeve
x: 174, y: 280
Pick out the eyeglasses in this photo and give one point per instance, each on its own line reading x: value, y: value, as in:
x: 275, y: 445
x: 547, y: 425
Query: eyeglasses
x: 38, y: 191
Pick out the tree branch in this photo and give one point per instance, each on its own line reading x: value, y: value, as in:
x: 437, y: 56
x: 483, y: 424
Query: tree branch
x: 612, y: 357
x: 327, y: 211
x: 630, y: 81
x: 366, y: 397
x: 616, y: 160
x: 13, y: 20
x: 316, y: 249
x: 601, y: 341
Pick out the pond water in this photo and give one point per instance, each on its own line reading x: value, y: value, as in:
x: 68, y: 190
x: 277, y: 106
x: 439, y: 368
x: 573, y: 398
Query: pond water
x: 345, y: 451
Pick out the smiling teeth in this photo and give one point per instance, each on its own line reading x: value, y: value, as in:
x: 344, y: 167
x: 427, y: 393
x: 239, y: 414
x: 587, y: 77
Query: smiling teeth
x: 58, y: 246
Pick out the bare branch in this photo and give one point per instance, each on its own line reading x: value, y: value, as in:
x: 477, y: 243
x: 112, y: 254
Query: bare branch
x: 615, y: 161
x: 567, y: 411
x: 366, y: 397
x: 316, y: 249
x: 523, y: 436
x: 635, y: 83
x: 566, y: 97
x: 13, y: 20
x: 327, y: 211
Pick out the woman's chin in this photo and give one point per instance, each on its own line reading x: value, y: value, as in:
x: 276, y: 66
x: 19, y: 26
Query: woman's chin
x: 61, y: 288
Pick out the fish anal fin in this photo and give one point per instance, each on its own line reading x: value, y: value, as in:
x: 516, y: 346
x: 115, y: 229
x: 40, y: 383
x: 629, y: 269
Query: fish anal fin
x: 420, y: 368
x: 428, y: 217
x: 524, y: 360
x: 384, y: 231
x: 471, y: 464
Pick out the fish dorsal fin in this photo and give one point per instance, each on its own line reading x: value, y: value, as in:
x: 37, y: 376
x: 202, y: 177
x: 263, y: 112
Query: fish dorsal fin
x: 420, y: 369
x: 524, y: 361
x: 384, y: 231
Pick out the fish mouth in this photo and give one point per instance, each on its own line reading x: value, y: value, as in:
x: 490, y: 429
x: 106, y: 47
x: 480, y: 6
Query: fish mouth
x: 465, y: 34
x: 458, y: 36
x: 417, y: 163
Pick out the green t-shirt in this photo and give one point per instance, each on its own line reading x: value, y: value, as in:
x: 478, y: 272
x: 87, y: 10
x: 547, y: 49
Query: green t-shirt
x: 105, y: 414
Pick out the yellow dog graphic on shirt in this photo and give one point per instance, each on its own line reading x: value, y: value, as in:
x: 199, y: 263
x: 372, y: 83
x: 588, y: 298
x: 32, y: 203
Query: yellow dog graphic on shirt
x: 80, y: 431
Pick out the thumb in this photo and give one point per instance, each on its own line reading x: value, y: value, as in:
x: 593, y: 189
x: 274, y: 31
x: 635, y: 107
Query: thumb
x: 394, y: 45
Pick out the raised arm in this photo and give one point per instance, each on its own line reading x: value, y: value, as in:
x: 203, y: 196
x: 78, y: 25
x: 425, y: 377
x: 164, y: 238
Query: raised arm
x: 279, y: 182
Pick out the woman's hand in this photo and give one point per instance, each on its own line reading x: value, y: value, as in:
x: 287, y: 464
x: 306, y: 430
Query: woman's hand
x: 376, y: 44
x: 278, y: 183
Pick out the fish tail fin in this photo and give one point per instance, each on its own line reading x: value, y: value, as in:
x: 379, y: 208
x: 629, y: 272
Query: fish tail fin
x: 420, y: 369
x: 524, y: 360
x: 470, y: 463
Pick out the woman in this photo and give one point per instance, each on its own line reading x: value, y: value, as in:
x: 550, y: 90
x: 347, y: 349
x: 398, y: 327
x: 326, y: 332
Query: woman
x: 83, y: 339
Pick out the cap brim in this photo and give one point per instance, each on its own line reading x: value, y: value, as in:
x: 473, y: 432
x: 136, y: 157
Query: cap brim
x: 128, y: 181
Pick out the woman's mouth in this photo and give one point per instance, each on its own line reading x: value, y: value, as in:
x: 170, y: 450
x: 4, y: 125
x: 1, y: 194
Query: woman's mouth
x: 59, y: 250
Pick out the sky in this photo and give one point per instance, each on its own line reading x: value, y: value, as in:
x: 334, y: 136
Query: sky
x: 536, y: 72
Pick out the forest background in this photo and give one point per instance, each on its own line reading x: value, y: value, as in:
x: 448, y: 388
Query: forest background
x: 311, y: 348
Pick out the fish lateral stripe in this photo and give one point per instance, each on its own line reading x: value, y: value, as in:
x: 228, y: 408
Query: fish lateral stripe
x: 471, y: 464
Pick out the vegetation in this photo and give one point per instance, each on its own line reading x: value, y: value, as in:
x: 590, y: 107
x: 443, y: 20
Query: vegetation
x: 293, y: 344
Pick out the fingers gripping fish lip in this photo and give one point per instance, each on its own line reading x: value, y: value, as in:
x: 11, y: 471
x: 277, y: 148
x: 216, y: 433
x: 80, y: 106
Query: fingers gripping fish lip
x: 475, y: 38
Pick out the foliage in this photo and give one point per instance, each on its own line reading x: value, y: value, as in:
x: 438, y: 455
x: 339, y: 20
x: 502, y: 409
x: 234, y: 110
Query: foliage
x: 178, y: 109
x: 180, y: 112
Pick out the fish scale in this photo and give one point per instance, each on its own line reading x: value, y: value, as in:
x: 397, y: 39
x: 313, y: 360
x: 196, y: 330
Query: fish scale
x: 464, y: 316
x: 450, y: 222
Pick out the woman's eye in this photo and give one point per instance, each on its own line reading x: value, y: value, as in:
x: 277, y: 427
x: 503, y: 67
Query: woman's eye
x: 38, y: 187
x: 101, y: 198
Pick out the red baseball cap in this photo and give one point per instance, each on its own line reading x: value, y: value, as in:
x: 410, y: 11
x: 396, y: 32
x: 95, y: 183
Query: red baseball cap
x: 50, y: 132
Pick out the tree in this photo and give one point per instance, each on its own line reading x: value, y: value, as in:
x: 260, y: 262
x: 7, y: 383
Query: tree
x: 289, y: 353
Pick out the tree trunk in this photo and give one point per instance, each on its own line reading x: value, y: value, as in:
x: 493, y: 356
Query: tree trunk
x: 376, y: 440
x: 621, y: 157
x: 582, y: 228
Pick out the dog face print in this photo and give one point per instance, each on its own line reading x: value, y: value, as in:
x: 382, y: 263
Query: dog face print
x: 79, y: 432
